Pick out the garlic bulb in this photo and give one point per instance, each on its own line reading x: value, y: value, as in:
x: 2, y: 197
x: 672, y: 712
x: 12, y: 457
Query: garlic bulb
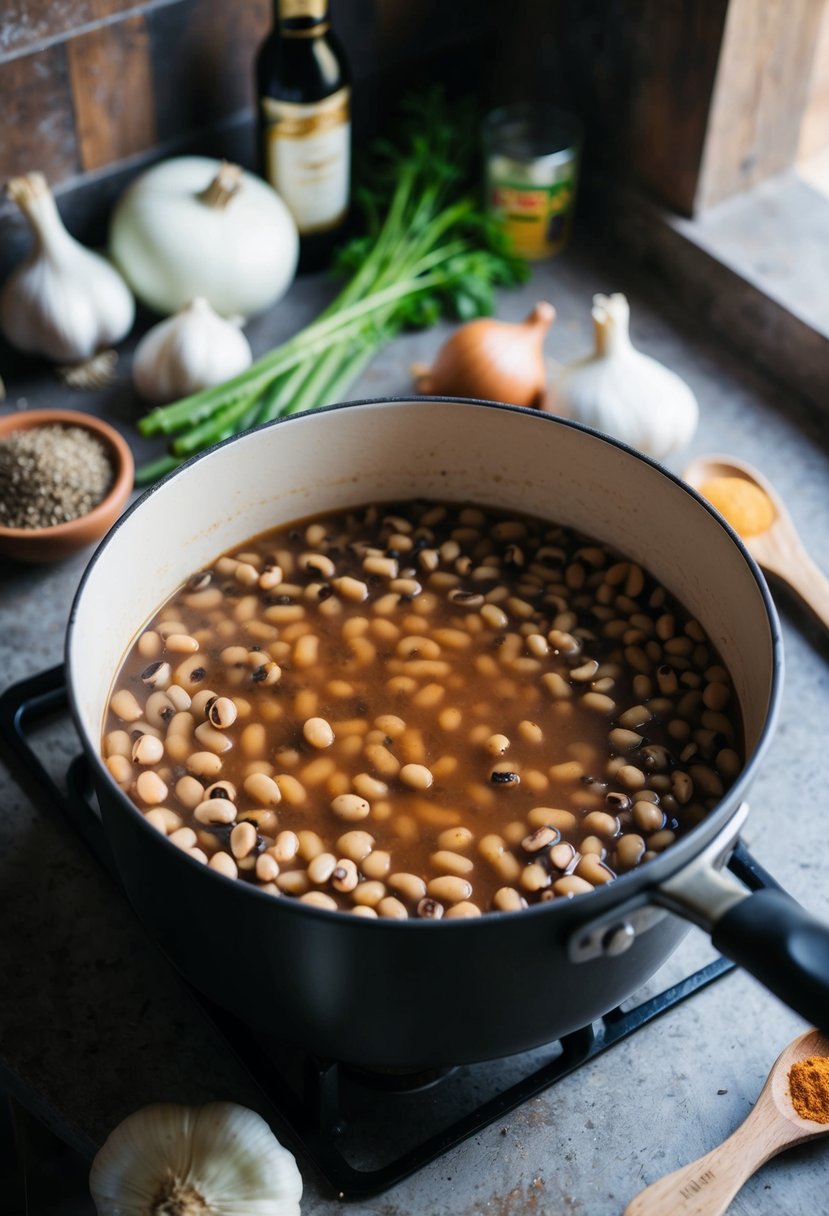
x: 192, y: 350
x: 624, y: 393
x: 169, y: 1160
x: 63, y: 301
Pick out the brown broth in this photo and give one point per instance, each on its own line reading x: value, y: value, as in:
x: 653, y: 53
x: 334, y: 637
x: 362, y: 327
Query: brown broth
x: 570, y: 702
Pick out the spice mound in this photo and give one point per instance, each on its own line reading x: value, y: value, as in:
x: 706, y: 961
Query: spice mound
x: 746, y: 507
x: 50, y: 475
x: 809, y: 1088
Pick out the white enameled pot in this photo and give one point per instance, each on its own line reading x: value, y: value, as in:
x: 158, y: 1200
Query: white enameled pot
x: 315, y: 975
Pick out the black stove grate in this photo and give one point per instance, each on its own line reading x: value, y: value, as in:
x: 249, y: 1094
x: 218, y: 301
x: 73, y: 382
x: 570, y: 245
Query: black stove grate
x: 322, y: 1102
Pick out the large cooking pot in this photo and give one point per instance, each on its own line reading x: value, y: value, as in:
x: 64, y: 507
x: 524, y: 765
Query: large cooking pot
x: 414, y: 993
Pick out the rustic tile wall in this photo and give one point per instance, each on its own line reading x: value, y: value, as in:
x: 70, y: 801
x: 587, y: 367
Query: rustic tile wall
x: 93, y: 89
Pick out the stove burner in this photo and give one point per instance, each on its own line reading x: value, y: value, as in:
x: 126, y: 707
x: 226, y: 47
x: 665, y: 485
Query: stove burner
x: 338, y: 1113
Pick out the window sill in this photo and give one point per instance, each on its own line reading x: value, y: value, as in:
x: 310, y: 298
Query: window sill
x: 755, y: 268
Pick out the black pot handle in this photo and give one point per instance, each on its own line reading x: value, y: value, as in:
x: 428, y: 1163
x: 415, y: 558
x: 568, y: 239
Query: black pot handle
x: 766, y: 932
x: 784, y: 947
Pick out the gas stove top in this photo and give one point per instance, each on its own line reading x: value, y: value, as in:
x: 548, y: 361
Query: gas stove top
x: 365, y: 1130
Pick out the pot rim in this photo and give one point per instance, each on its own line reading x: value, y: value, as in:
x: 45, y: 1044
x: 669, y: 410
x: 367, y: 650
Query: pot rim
x: 624, y: 887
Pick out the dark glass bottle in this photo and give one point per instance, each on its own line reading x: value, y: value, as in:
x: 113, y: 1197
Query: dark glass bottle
x: 304, y: 94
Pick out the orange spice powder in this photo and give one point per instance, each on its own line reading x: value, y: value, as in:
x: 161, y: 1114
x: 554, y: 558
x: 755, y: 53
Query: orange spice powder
x: 809, y: 1088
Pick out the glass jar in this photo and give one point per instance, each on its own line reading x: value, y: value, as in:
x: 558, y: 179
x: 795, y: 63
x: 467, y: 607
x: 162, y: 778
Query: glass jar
x: 532, y: 154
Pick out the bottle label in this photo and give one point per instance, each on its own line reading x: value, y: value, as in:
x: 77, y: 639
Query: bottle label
x: 307, y: 158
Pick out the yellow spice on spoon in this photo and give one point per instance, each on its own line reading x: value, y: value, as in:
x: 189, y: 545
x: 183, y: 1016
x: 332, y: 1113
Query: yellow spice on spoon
x: 746, y: 507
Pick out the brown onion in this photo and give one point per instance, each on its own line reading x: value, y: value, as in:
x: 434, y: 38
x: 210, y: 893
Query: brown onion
x: 498, y: 360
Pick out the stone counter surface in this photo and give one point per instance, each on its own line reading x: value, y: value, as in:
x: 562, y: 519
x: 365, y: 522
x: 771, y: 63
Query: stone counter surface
x: 94, y: 1023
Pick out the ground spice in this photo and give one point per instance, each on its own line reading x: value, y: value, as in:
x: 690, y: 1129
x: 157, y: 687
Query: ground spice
x: 746, y: 507
x: 809, y: 1088
x: 51, y: 474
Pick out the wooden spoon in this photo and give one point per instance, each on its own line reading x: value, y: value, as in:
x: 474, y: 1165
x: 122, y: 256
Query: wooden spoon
x: 707, y: 1186
x: 778, y: 549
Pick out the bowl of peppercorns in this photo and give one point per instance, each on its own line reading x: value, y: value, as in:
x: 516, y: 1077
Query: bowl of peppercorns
x: 65, y: 477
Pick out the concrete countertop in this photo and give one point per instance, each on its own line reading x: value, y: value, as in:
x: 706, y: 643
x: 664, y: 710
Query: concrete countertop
x: 93, y: 1023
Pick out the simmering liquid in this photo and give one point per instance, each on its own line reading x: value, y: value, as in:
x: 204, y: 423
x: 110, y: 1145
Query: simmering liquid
x: 422, y: 709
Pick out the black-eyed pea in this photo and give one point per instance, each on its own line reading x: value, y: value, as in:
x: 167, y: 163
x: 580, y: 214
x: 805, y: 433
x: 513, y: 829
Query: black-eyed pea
x: 456, y: 838
x: 149, y: 645
x: 450, y: 719
x: 262, y: 789
x: 291, y: 790
x: 264, y: 818
x: 243, y: 840
x: 147, y: 749
x: 497, y: 745
x: 430, y: 909
x: 203, y: 764
x: 211, y: 739
x: 317, y: 733
x: 183, y: 838
x: 223, y: 863
x: 118, y: 743
x: 215, y: 810
x: 198, y: 855
x: 310, y: 844
x: 369, y: 787
x: 630, y: 849
x: 448, y: 862
x: 631, y: 777
x: 660, y: 840
x: 535, y: 877
x: 593, y: 869
x: 350, y: 807
x: 541, y: 838
x: 293, y: 882
x: 285, y: 847
x: 266, y: 868
x: 319, y: 899
x: 449, y: 888
x: 600, y: 823
x: 344, y: 876
x: 189, y: 792
x: 530, y: 732
x: 321, y: 867
x: 382, y: 760
x: 554, y: 817
x: 411, y: 886
x: 369, y: 893
x: 355, y: 845
x: 594, y: 845
x: 728, y: 763
x: 682, y: 786
x: 159, y: 821
x: 363, y: 910
x: 120, y: 769
x: 377, y: 864
x: 562, y: 856
x: 125, y: 706
x: 150, y: 788
x: 416, y: 776
x: 392, y: 909
x: 464, y: 910
x: 507, y: 899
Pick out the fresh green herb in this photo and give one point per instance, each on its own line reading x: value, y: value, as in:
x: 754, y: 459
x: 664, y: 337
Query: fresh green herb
x: 429, y: 251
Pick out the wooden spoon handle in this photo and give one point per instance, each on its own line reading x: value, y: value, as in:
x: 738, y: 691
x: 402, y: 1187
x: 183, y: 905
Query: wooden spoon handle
x: 806, y: 578
x: 707, y: 1186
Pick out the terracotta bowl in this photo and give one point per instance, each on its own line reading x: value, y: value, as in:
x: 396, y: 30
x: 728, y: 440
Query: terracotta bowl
x: 50, y: 544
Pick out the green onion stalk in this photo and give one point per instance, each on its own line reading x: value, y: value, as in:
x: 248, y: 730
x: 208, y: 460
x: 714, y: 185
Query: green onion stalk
x: 429, y: 251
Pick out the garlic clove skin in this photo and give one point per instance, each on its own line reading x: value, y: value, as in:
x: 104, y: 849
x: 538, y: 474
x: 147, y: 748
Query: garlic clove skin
x: 171, y: 1160
x: 624, y: 393
x: 64, y: 301
x: 192, y: 350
